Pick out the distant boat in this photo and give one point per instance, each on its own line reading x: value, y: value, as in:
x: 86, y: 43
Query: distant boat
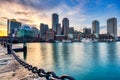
x: 66, y: 41
x: 57, y: 41
x: 88, y: 40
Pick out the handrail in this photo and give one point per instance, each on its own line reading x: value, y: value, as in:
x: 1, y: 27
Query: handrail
x: 39, y: 72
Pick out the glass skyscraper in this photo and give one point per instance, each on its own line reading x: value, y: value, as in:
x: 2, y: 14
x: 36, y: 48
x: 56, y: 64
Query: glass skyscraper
x: 112, y: 27
x: 95, y: 27
x: 65, y: 25
x: 55, y: 21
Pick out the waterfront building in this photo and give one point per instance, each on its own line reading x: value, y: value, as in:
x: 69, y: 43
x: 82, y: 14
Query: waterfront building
x: 59, y: 29
x: 71, y: 33
x: 95, y: 28
x: 71, y: 30
x: 77, y: 35
x: 60, y: 37
x: 25, y: 31
x: 35, y: 31
x: 87, y: 31
x: 70, y: 36
x: 43, y: 29
x: 106, y: 37
x: 12, y: 26
x: 112, y: 27
x: 49, y: 35
x: 65, y: 26
x: 55, y: 21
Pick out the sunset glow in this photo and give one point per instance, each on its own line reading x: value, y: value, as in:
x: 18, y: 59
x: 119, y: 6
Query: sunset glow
x: 3, y: 32
x: 80, y: 12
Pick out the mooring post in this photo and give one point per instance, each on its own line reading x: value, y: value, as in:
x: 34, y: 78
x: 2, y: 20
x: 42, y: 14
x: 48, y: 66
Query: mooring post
x: 24, y: 50
x: 8, y: 48
x: 4, y: 44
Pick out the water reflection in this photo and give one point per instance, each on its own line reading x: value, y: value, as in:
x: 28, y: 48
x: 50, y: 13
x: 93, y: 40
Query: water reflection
x: 111, y: 53
x: 84, y: 61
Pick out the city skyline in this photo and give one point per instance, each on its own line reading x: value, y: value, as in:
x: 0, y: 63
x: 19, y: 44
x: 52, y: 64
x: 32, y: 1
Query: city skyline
x: 35, y: 12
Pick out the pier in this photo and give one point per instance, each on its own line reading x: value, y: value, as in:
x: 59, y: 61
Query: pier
x: 18, y: 63
x: 10, y: 69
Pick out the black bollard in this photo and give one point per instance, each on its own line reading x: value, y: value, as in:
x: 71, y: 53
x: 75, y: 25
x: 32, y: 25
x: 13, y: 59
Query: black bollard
x: 4, y: 44
x: 8, y: 48
x: 25, y: 50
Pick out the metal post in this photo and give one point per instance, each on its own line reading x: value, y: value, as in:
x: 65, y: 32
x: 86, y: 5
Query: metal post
x: 8, y: 48
x: 4, y: 44
x: 25, y: 50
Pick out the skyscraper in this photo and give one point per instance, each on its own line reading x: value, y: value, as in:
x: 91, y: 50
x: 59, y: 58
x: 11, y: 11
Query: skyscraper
x: 12, y: 25
x: 95, y: 27
x: 58, y: 32
x: 112, y: 27
x: 55, y: 21
x: 65, y: 25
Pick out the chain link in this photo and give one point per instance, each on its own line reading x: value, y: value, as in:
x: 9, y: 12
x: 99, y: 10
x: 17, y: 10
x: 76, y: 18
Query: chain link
x: 41, y: 72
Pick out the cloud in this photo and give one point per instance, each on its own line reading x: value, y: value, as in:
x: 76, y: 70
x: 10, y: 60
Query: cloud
x: 3, y: 17
x: 25, y: 20
x: 34, y: 12
x: 36, y: 4
x: 110, y: 6
x: 22, y: 13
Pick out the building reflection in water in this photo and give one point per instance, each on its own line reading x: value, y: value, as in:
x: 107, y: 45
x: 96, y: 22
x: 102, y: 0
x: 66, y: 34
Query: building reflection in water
x: 85, y: 61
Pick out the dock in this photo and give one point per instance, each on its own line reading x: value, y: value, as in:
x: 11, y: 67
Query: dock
x: 10, y: 69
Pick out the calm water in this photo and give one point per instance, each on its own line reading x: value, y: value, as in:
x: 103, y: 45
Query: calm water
x: 83, y: 61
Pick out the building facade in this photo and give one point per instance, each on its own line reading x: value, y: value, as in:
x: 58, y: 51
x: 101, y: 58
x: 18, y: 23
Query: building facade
x: 49, y: 35
x: 71, y: 30
x: 12, y: 26
x: 55, y: 21
x: 59, y: 29
x: 112, y: 27
x: 43, y: 29
x: 25, y: 31
x: 35, y: 31
x: 87, y: 31
x: 95, y: 27
x: 65, y: 26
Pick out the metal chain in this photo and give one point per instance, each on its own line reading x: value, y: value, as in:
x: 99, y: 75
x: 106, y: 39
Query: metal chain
x: 41, y: 72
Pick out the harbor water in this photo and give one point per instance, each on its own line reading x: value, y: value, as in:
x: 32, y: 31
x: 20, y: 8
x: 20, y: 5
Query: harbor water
x: 83, y: 61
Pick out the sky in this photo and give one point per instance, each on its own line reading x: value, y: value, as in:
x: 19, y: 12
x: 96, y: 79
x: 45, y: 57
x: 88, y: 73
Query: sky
x: 81, y: 13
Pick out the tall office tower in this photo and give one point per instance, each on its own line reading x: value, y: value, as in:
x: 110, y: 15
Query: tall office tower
x: 12, y: 25
x: 55, y: 21
x: 43, y: 29
x: 95, y: 27
x: 58, y: 32
x: 112, y: 27
x: 65, y: 25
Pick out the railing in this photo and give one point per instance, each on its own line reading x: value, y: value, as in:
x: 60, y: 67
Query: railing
x: 40, y: 72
